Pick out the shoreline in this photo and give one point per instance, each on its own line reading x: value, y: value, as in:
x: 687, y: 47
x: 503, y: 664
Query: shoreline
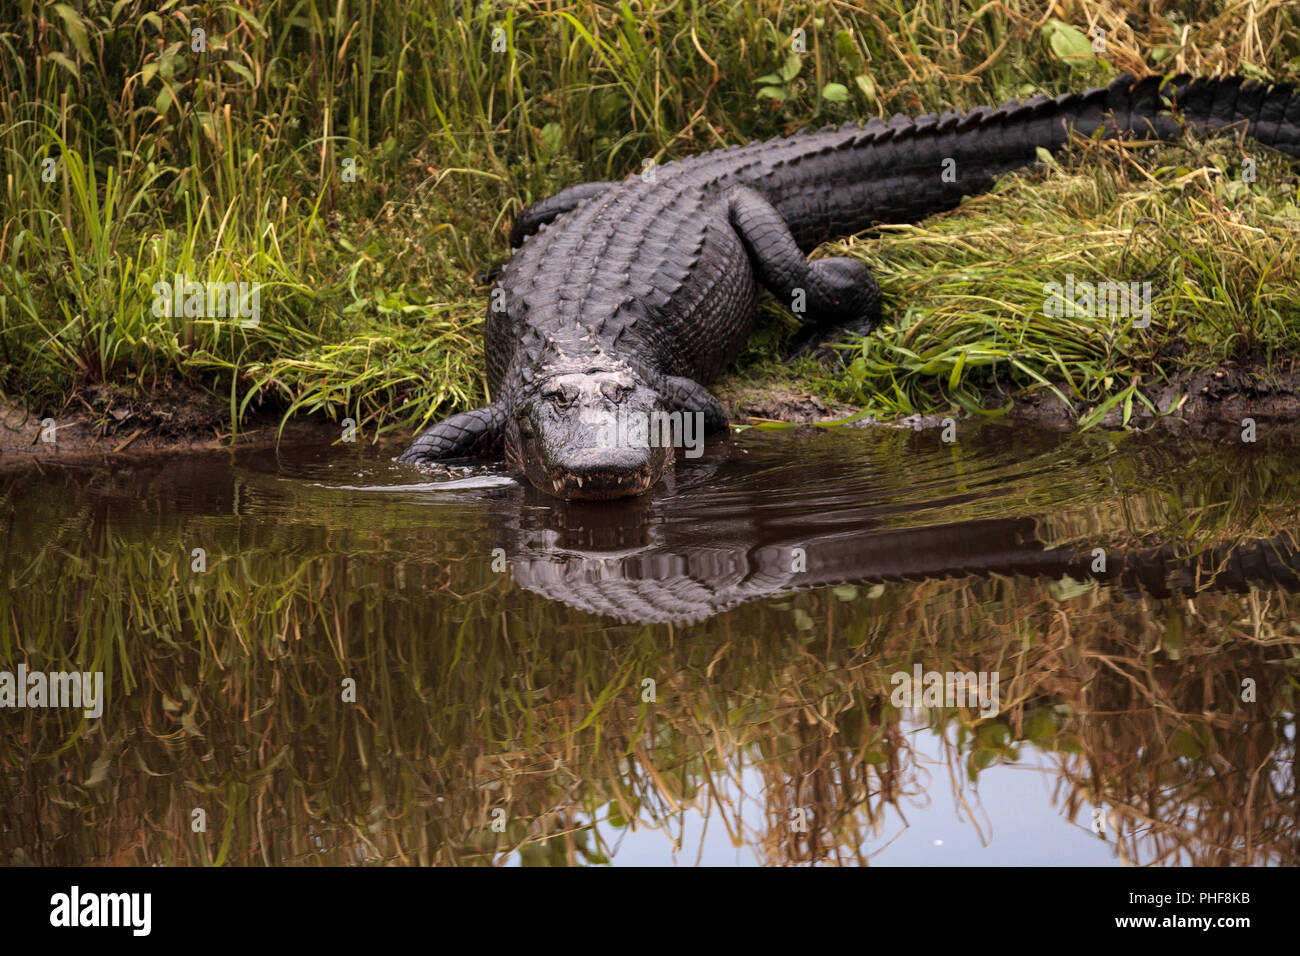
x: 1209, y: 404
x: 109, y: 424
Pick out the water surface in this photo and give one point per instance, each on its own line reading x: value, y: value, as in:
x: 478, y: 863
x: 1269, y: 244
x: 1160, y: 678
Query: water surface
x: 316, y: 655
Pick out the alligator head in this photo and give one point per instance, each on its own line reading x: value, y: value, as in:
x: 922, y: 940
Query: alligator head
x: 587, y: 430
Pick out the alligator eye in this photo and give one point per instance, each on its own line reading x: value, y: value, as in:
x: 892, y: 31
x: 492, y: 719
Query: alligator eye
x: 615, y: 393
x: 561, y: 397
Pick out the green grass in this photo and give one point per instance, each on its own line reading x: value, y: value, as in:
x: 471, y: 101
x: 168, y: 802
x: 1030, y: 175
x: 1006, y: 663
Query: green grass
x: 965, y: 292
x: 228, y: 165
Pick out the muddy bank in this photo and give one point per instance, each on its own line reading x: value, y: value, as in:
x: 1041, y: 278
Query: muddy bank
x: 1210, y: 404
x: 107, y: 422
x: 1215, y: 403
x: 752, y: 404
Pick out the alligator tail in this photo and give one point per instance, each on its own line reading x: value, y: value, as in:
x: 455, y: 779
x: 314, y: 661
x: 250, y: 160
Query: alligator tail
x: 840, y: 181
x: 1269, y: 113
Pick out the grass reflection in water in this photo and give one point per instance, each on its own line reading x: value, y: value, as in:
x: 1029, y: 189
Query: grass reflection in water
x: 481, y: 700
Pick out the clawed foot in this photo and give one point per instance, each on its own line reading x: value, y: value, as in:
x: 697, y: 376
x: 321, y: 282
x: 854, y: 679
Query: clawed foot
x: 820, y: 344
x: 844, y: 300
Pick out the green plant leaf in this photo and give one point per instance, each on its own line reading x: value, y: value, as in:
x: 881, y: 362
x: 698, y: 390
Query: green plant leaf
x: 835, y: 92
x: 1069, y: 45
x: 552, y: 138
x: 76, y: 29
x: 844, y: 44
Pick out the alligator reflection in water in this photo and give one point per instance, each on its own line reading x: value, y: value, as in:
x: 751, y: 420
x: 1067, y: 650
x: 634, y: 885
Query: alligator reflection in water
x: 686, y: 557
x: 663, y: 585
x: 771, y: 717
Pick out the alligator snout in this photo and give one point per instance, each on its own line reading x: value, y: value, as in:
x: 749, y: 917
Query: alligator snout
x: 586, y: 437
x: 603, y: 471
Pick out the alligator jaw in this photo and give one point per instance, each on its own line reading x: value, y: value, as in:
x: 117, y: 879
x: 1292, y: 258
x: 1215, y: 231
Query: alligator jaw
x: 602, y: 485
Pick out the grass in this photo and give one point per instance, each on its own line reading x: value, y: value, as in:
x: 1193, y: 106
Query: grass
x: 966, y: 291
x: 235, y: 163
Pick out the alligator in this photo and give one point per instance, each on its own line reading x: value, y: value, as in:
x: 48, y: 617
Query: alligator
x: 622, y: 301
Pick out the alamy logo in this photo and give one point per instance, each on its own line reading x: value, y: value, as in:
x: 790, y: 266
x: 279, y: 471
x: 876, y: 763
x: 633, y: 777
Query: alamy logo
x: 658, y: 429
x: 208, y: 300
x: 53, y: 689
x: 946, y: 689
x: 1098, y: 300
x: 102, y: 909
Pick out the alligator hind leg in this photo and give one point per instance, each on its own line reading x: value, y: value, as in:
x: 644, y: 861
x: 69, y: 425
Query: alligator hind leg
x: 474, y: 434
x: 835, y: 293
x: 534, y: 216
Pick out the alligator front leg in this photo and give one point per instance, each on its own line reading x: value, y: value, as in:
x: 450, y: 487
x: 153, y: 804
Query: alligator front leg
x: 835, y: 292
x: 534, y: 216
x: 478, y: 433
x: 687, y: 395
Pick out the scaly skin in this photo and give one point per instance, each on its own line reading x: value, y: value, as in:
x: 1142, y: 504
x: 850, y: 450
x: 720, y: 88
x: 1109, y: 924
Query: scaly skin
x: 629, y: 298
